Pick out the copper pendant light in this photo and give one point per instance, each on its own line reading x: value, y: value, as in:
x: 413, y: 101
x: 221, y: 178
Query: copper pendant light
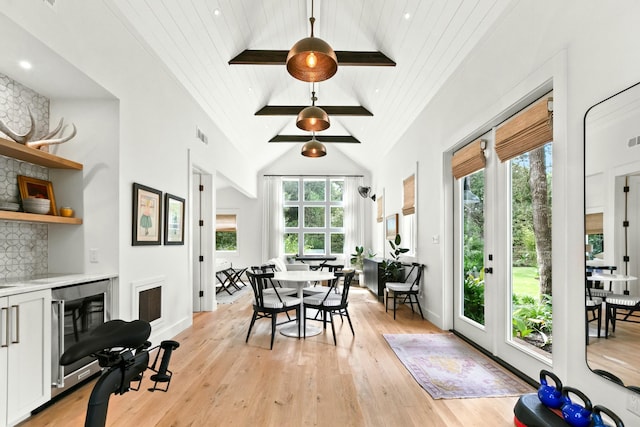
x: 312, y: 59
x: 314, y: 148
x: 313, y: 119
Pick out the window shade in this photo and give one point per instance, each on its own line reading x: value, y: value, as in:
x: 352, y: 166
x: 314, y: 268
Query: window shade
x: 380, y: 202
x: 529, y: 129
x: 226, y: 223
x: 468, y: 159
x: 409, y: 189
x: 593, y: 223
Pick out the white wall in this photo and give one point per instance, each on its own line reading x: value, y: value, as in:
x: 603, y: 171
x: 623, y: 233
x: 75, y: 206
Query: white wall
x: 156, y: 127
x: 230, y: 200
x: 596, y: 42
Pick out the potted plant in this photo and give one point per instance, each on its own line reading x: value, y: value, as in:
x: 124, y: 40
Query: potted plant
x: 393, y: 268
x: 357, y: 261
x: 357, y: 258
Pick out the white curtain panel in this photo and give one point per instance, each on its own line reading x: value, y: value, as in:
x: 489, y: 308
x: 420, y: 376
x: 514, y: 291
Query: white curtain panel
x: 272, y: 220
x: 353, y: 216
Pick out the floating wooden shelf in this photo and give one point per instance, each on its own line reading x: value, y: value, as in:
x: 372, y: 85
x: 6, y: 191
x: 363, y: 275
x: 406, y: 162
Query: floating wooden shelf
x: 18, y: 151
x: 46, y: 219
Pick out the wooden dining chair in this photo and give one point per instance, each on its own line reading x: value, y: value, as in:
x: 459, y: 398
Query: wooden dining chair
x: 330, y: 303
x: 270, y: 305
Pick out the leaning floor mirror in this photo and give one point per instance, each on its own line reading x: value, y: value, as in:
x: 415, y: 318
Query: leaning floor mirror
x: 612, y: 237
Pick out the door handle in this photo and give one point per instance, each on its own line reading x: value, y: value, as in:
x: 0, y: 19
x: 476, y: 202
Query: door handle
x: 17, y: 318
x: 4, y: 314
x: 488, y: 270
x: 59, y: 304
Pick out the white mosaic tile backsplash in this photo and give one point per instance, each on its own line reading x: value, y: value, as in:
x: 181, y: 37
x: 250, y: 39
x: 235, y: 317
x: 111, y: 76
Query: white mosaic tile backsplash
x: 23, y: 246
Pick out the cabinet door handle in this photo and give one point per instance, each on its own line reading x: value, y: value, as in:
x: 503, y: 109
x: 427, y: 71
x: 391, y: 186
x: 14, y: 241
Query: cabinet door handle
x: 17, y: 318
x: 4, y: 314
x: 60, y: 317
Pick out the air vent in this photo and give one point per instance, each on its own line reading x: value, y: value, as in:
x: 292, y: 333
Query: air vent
x: 633, y: 141
x: 201, y: 136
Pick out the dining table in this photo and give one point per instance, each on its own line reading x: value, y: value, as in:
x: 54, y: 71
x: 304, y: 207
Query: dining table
x: 300, y: 279
x: 611, y: 278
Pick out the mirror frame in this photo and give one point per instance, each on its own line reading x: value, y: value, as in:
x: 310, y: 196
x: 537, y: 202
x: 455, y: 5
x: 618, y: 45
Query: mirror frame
x: 602, y: 373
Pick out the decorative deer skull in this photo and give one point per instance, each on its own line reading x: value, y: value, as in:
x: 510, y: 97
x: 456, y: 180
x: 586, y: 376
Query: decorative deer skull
x: 48, y: 139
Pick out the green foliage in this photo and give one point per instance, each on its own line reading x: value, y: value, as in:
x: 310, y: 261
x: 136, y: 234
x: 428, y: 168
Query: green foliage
x: 291, y: 243
x: 531, y: 315
x: 314, y: 190
x: 226, y: 241
x: 337, y: 190
x: 393, y: 268
x: 337, y: 216
x: 290, y: 190
x: 357, y: 258
x: 314, y: 216
x: 337, y: 243
x: 474, y: 297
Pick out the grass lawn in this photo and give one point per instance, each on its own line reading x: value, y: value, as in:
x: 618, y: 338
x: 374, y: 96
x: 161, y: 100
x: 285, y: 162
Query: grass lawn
x: 525, y: 281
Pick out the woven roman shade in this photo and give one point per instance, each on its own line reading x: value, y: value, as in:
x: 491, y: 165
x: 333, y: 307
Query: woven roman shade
x: 529, y: 129
x: 468, y: 159
x: 593, y: 223
x: 379, y: 215
x: 409, y: 199
x: 226, y: 222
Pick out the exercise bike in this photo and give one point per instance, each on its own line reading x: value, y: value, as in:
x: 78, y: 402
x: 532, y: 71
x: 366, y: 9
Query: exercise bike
x: 122, y: 350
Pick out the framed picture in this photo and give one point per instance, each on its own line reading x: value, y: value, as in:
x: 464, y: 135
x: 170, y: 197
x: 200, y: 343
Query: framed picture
x: 173, y: 220
x: 391, y: 226
x: 34, y: 187
x: 147, y: 206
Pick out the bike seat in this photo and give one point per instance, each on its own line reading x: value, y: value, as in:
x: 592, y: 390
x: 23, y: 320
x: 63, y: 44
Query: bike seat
x: 111, y: 334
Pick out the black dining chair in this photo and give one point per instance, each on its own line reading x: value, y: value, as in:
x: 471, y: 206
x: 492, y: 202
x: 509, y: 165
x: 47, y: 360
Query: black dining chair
x: 269, y: 305
x: 408, y: 289
x: 330, y: 303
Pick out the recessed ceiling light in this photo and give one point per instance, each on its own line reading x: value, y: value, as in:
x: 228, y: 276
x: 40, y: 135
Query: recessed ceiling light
x: 407, y: 16
x: 216, y: 12
x: 25, y: 64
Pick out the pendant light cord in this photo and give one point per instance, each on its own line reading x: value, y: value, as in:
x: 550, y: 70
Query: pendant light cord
x: 312, y: 19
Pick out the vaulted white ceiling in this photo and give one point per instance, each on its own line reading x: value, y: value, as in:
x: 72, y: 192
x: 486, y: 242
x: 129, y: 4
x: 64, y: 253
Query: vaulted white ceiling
x: 426, y: 38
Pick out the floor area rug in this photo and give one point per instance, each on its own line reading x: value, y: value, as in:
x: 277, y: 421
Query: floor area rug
x: 448, y: 368
x: 223, y: 296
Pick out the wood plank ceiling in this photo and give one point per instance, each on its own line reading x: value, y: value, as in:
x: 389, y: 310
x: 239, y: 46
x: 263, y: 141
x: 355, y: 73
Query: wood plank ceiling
x: 197, y: 39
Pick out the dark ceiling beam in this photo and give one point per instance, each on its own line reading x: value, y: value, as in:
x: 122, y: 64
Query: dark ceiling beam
x: 332, y: 110
x: 279, y: 57
x: 348, y: 139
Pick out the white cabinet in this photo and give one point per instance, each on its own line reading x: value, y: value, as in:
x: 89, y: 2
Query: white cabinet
x: 25, y: 354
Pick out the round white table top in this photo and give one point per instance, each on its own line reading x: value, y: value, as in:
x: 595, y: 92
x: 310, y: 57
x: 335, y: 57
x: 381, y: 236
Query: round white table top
x: 602, y: 277
x: 302, y: 276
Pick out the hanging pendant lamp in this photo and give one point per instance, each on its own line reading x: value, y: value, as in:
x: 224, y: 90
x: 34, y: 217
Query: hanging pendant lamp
x: 313, y: 118
x: 312, y: 59
x: 314, y: 148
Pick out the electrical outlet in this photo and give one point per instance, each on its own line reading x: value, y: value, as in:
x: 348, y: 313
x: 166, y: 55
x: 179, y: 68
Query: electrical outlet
x: 93, y: 255
x: 633, y: 403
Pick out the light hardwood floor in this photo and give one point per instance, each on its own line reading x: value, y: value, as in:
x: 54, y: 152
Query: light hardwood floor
x: 219, y: 380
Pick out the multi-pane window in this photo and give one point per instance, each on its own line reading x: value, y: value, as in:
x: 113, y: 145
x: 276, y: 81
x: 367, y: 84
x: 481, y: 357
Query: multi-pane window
x: 313, y: 211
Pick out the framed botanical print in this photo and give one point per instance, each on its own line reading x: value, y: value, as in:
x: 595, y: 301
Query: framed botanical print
x: 147, y: 208
x: 173, y: 220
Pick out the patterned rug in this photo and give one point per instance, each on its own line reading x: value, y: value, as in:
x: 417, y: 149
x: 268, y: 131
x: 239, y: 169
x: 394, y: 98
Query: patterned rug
x: 448, y: 368
x: 223, y: 296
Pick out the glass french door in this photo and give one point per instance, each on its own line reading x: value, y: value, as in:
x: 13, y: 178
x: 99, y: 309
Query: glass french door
x: 473, y: 306
x: 502, y: 257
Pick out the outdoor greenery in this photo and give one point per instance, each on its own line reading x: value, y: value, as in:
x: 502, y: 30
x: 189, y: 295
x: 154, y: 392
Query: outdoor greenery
x: 531, y: 240
x: 226, y: 241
